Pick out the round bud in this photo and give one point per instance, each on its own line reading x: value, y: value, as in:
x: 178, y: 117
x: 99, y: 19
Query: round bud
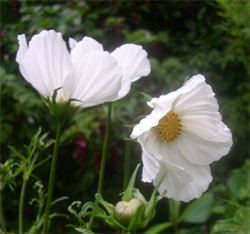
x: 125, y: 211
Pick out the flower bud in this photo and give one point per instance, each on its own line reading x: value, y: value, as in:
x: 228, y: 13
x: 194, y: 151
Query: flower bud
x: 125, y: 211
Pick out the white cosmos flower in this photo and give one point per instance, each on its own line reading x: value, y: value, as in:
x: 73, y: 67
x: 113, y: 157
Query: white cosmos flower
x: 87, y: 72
x: 183, y: 135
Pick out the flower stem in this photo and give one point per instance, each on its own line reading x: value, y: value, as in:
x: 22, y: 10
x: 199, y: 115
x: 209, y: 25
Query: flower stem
x: 126, y: 164
x: 174, y: 208
x: 21, y: 205
x: 52, y: 177
x: 105, y: 150
x: 104, y: 156
x: 2, y: 219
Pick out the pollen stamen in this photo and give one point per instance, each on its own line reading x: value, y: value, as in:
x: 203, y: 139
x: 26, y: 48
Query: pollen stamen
x: 169, y: 127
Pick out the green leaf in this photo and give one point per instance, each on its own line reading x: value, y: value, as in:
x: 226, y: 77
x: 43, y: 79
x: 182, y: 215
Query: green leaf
x: 127, y: 195
x: 129, y: 126
x: 148, y: 97
x: 130, y: 139
x: 199, y: 210
x: 37, y: 134
x: 85, y: 207
x: 137, y: 220
x: 158, y: 228
x: 59, y: 200
x: 237, y: 181
x: 41, y: 162
x: 72, y: 210
x: 150, y: 208
x: 239, y: 223
x: 109, y: 207
x: 83, y: 230
x: 16, y: 152
x: 137, y: 194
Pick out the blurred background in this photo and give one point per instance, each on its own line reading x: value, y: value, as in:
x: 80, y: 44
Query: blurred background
x: 182, y: 38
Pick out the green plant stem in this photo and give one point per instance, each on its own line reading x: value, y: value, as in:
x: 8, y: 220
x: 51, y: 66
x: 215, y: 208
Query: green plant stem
x: 126, y: 164
x: 174, y: 207
x: 2, y: 219
x: 52, y: 177
x: 21, y: 205
x: 104, y: 156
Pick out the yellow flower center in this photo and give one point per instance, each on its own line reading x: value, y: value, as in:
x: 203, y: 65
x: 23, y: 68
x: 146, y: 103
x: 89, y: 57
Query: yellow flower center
x: 169, y: 127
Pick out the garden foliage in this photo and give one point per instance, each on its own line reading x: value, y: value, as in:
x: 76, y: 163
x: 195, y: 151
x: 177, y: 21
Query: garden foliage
x: 182, y: 39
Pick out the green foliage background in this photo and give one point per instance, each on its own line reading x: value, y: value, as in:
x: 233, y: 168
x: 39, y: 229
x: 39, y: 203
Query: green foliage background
x: 182, y: 38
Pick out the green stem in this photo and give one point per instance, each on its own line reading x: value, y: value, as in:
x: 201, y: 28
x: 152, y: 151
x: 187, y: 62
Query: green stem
x: 104, y: 156
x: 52, y: 178
x: 2, y: 219
x: 174, y: 208
x: 105, y: 150
x: 126, y: 165
x: 21, y: 205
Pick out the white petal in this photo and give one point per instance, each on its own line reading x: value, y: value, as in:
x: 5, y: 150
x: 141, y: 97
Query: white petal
x: 72, y: 43
x: 196, y: 96
x: 125, y: 88
x: 133, y: 60
x: 150, y: 167
x: 192, y: 83
x: 23, y: 48
x: 134, y: 63
x: 204, y: 152
x: 162, y: 106
x: 201, y: 176
x: 46, y: 62
x: 209, y: 128
x: 86, y: 45
x: 145, y: 125
x: 164, y: 101
x: 181, y: 185
x: 96, y: 79
x: 174, y: 160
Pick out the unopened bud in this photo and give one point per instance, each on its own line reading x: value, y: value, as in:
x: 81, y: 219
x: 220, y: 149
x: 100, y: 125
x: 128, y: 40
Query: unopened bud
x: 125, y: 211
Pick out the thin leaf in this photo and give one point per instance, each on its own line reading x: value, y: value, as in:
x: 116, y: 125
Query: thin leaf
x: 83, y: 230
x: 72, y: 210
x: 109, y: 207
x: 37, y: 133
x: 158, y: 228
x: 148, y: 97
x: 59, y: 199
x: 127, y: 195
x: 137, y: 220
x: 129, y: 125
x: 41, y: 162
x: 129, y: 139
x: 150, y: 209
x: 16, y: 152
x: 87, y: 206
x: 137, y: 194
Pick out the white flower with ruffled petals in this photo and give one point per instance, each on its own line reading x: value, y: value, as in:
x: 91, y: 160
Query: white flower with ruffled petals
x: 86, y: 73
x: 183, y: 135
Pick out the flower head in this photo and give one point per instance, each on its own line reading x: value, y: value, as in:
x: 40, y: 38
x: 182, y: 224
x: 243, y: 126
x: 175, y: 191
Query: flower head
x: 183, y: 135
x: 86, y: 73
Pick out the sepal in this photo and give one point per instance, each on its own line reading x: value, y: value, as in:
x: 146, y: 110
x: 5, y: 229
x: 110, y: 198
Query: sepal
x: 62, y: 110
